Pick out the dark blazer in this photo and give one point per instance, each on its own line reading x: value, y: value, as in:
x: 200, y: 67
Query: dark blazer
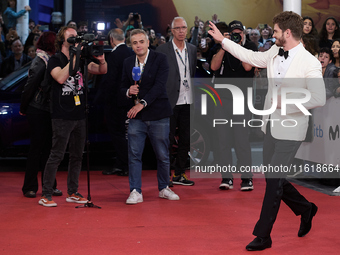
x: 8, y: 64
x: 152, y: 87
x: 174, y: 79
x: 112, y: 79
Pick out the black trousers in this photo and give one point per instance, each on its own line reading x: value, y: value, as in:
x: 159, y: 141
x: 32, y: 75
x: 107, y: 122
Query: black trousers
x: 230, y: 135
x: 275, y: 153
x: 41, y: 142
x: 116, y: 124
x: 180, y: 119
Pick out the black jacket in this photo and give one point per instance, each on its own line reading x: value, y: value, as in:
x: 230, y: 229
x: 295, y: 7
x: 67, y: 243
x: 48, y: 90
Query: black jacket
x: 112, y: 79
x: 331, y: 80
x: 152, y: 87
x: 32, y: 94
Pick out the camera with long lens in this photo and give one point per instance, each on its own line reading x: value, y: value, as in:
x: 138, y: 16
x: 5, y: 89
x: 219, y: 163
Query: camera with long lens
x: 86, y: 49
x: 235, y: 37
x: 86, y: 41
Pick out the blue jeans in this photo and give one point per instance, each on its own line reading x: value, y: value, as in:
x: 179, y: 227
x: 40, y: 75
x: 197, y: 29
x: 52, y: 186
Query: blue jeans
x: 73, y: 133
x: 158, y: 132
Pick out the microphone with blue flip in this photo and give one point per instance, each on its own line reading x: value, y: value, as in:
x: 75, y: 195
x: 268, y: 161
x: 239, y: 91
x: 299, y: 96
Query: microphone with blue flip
x: 136, y: 74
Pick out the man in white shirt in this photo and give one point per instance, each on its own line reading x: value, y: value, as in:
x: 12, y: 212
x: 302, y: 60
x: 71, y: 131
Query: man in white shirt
x: 286, y: 59
x: 182, y: 60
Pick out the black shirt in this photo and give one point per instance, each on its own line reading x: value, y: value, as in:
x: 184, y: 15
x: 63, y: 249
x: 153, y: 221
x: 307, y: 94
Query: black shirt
x: 231, y: 67
x: 64, y: 96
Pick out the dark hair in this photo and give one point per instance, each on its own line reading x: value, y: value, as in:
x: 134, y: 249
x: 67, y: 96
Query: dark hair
x: 223, y: 27
x: 290, y: 20
x: 46, y: 42
x: 313, y: 32
x: 11, y: 0
x: 68, y: 24
x: 15, y: 39
x: 336, y: 40
x: 81, y: 23
x: 323, y: 32
x: 30, y: 39
x: 311, y: 44
x: 329, y: 52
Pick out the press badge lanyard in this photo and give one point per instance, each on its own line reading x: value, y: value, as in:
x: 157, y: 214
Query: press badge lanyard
x: 185, y: 82
x: 76, y: 96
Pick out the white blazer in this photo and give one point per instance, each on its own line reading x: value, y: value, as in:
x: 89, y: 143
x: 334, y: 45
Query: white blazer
x: 304, y: 72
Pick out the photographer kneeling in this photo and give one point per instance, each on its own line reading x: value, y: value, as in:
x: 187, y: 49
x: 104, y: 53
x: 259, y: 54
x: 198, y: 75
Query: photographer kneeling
x: 68, y: 117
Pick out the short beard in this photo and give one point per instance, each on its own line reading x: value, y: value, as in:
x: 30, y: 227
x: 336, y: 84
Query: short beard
x: 280, y: 41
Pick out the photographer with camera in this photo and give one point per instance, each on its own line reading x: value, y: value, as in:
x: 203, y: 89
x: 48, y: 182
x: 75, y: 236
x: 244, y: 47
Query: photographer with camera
x: 226, y: 65
x: 134, y: 21
x: 68, y: 115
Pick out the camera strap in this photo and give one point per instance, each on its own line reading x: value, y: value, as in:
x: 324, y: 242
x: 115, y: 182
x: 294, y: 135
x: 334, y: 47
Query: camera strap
x: 232, y: 68
x: 77, y: 51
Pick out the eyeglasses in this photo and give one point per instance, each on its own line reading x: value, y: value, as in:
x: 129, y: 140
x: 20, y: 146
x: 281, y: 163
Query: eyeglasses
x: 180, y: 28
x: 253, y: 34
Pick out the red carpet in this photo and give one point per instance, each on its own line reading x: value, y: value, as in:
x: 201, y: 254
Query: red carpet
x: 205, y: 220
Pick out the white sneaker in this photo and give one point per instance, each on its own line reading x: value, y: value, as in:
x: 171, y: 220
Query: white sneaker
x: 47, y: 201
x: 168, y: 194
x: 134, y: 198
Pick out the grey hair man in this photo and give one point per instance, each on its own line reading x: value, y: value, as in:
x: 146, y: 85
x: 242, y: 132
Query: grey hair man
x: 182, y: 60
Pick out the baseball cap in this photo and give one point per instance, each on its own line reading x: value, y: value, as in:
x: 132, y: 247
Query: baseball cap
x: 235, y: 24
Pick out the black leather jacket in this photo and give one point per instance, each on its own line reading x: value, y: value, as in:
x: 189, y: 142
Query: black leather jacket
x: 32, y: 94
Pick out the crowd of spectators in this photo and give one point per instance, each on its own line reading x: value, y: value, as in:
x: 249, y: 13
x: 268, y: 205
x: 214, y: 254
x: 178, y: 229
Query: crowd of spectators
x: 260, y: 35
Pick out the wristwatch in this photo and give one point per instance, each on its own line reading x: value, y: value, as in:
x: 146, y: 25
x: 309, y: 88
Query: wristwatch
x: 143, y: 102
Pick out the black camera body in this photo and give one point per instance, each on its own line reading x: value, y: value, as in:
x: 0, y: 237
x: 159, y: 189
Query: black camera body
x: 135, y: 16
x: 235, y: 37
x: 92, y: 50
x: 85, y: 51
x: 89, y: 49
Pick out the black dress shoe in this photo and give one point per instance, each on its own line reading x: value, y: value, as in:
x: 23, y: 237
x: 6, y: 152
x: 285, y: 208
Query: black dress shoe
x: 306, y: 221
x: 259, y: 244
x: 123, y: 173
x: 113, y: 171
x: 57, y: 192
x: 30, y: 194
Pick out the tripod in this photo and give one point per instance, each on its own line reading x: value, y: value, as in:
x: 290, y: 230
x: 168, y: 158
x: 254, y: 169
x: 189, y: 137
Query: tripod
x: 89, y: 203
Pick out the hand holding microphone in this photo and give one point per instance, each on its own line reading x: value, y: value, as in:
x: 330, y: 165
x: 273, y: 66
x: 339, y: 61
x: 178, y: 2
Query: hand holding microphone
x: 134, y: 89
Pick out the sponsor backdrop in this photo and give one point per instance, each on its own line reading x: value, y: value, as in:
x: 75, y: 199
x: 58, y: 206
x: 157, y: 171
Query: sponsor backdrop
x: 325, y: 146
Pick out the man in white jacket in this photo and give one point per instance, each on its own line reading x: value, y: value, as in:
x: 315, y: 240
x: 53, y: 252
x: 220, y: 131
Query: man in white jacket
x: 295, y: 76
